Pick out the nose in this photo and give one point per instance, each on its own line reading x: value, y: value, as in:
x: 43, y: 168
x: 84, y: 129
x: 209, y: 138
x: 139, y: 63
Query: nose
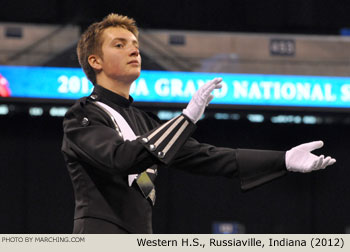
x: 134, y: 51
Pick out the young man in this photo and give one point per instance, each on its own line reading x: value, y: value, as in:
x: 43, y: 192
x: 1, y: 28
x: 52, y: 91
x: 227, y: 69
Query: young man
x: 113, y: 150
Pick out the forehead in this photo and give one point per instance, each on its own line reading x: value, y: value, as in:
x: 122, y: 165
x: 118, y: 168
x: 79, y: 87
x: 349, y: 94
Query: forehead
x: 111, y: 33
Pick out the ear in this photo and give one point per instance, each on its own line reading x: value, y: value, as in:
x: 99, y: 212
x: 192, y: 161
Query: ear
x: 95, y: 62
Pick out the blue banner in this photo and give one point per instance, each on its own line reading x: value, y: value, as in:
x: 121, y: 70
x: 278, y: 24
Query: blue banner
x: 178, y: 87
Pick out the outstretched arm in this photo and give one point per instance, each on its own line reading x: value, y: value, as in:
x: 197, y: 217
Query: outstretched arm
x: 253, y: 167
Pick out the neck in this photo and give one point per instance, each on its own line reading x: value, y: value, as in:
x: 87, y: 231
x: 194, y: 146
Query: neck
x: 121, y: 88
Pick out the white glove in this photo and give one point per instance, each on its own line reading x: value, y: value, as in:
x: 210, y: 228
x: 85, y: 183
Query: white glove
x: 300, y: 158
x: 201, y: 99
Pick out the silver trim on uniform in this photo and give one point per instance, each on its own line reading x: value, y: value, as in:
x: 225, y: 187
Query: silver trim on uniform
x: 112, y: 118
x: 151, y: 171
x: 85, y: 121
x: 175, y: 137
x: 169, y: 130
x: 160, y: 128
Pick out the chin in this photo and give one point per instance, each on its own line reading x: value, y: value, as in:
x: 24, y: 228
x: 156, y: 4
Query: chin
x: 137, y: 74
x: 133, y: 77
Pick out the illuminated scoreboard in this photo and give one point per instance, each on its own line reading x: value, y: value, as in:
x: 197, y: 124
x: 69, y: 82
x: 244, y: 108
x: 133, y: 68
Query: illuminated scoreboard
x: 176, y: 88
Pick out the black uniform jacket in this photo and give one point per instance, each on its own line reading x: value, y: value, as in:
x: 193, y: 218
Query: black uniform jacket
x: 99, y: 160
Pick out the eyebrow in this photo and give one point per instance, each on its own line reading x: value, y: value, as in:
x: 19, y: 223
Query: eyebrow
x: 134, y: 41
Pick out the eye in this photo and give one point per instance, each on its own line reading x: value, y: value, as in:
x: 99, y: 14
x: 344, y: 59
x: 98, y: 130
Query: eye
x: 119, y: 45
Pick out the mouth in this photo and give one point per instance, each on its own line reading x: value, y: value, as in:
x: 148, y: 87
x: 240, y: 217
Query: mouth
x: 133, y: 62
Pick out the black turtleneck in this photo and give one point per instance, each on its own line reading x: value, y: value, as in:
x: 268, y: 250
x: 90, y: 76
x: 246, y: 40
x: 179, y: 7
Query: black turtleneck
x: 111, y: 97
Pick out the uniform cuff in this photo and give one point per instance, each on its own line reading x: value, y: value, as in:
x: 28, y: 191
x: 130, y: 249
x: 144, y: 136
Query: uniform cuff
x: 166, y: 140
x: 257, y: 167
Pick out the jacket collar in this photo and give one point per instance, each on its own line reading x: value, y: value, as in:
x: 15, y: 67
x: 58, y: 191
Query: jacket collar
x: 101, y: 93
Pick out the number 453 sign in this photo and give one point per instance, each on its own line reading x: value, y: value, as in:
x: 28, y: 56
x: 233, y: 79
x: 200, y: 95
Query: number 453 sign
x: 282, y: 47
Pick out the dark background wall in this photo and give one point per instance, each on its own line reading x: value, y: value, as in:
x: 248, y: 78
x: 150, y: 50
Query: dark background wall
x: 287, y: 16
x: 37, y: 197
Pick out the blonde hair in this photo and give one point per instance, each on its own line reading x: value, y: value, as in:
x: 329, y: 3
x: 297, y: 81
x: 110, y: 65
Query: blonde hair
x: 90, y: 41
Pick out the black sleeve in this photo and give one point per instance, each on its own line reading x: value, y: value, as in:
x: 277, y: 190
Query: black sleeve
x: 90, y: 137
x: 252, y: 167
x: 257, y: 167
x: 165, y: 141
